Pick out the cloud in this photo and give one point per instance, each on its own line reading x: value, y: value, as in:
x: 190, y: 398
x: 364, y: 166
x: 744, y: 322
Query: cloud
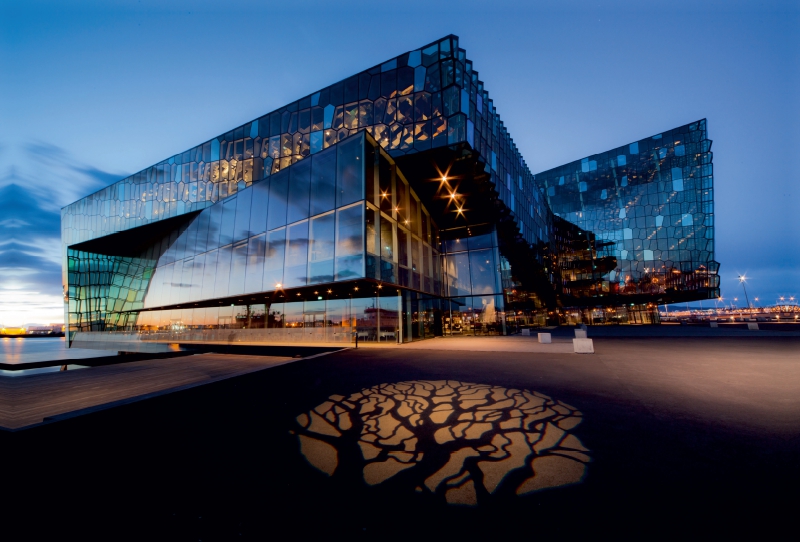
x: 19, y: 307
x: 50, y: 175
x: 36, y: 180
x: 21, y: 214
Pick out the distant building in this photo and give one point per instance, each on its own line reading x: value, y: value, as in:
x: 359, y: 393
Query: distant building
x: 393, y: 205
x: 51, y: 329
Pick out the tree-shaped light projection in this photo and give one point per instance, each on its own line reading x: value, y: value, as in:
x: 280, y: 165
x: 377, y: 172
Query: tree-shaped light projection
x: 460, y: 441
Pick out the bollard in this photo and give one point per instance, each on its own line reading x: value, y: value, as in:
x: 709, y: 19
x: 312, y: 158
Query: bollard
x: 580, y: 333
x: 583, y: 346
x: 545, y: 338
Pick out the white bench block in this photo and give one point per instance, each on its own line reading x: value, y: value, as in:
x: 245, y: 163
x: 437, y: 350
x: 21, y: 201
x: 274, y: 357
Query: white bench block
x: 752, y: 327
x: 580, y: 333
x: 583, y: 346
x: 544, y: 338
x: 714, y: 324
x: 526, y: 331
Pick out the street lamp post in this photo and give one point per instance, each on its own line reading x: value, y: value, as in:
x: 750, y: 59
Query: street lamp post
x: 742, y: 280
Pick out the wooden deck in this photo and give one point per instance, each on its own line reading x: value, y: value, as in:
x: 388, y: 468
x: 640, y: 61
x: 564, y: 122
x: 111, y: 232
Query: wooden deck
x: 29, y: 400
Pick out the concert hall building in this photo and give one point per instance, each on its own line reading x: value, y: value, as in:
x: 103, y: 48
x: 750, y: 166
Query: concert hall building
x: 391, y: 206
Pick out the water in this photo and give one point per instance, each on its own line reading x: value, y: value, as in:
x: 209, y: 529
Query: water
x: 26, y: 372
x: 18, y: 351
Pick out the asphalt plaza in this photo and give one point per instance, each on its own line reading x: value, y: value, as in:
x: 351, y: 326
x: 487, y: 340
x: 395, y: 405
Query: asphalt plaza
x: 688, y: 434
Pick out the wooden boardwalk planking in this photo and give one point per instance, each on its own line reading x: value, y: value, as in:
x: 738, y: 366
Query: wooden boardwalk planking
x: 28, y: 400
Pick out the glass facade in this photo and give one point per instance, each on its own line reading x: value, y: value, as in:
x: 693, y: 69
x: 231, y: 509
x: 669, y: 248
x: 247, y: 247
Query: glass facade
x: 317, y: 222
x: 636, y: 224
x: 392, y: 205
x: 228, y: 250
x: 421, y: 100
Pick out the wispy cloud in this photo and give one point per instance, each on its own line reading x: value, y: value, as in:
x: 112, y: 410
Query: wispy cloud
x: 49, y: 175
x: 36, y: 180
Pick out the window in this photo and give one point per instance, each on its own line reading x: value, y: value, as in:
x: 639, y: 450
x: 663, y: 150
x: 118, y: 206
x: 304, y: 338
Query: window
x: 373, y: 237
x: 214, y: 225
x: 228, y: 221
x: 223, y: 271
x: 278, y: 188
x: 242, y: 223
x: 457, y: 274
x: 299, y: 184
x: 350, y: 171
x: 255, y: 263
x: 259, y: 207
x: 482, y: 272
x: 209, y: 275
x: 388, y: 239
x: 295, y: 272
x: 350, y: 242
x: 274, y: 259
x: 323, y: 181
x: 238, y: 266
x: 321, y: 249
x: 402, y: 246
x: 677, y: 179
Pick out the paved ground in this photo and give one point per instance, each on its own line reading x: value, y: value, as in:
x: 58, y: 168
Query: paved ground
x: 662, y: 331
x: 29, y: 400
x: 512, y: 343
x: 694, y: 437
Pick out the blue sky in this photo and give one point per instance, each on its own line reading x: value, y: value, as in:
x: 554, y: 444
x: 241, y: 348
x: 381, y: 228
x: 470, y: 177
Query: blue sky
x: 93, y: 91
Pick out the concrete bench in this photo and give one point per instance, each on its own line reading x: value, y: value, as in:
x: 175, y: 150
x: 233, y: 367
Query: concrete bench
x: 545, y: 338
x: 580, y: 333
x: 583, y: 346
x: 752, y: 327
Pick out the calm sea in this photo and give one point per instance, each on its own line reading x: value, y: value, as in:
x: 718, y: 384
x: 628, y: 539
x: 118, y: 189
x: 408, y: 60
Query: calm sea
x: 13, y: 350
